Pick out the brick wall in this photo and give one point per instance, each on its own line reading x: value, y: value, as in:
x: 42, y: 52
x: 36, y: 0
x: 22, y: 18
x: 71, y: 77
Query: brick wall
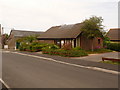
x: 47, y: 41
x: 86, y: 43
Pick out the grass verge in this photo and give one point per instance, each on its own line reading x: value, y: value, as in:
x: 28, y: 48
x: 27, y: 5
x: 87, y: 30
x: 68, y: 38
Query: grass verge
x: 98, y: 51
x: 111, y: 62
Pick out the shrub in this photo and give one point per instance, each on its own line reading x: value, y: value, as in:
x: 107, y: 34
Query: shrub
x: 77, y: 48
x: 50, y: 46
x: 35, y: 43
x: 113, y: 46
x: 22, y: 46
x: 53, y: 46
x: 36, y: 48
x: 67, y: 46
x: 66, y: 53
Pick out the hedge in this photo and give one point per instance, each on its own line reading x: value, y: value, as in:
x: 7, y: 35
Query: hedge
x: 113, y: 46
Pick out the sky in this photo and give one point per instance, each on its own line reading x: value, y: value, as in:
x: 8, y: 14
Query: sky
x: 40, y: 15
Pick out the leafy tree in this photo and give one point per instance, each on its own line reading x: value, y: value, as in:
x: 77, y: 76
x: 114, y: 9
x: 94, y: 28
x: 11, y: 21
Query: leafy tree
x: 92, y: 28
x: 106, y: 40
x: 28, y: 39
x: 25, y: 41
x: 4, y: 38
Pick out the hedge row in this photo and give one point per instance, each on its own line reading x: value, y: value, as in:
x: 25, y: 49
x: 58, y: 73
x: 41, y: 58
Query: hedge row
x: 113, y: 46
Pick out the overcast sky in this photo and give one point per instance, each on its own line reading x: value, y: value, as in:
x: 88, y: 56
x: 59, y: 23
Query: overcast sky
x: 40, y: 15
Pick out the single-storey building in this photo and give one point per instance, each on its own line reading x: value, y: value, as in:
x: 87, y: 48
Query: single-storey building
x: 16, y: 34
x: 60, y: 35
x: 113, y: 34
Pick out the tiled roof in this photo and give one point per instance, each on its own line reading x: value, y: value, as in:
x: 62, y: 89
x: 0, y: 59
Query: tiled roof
x: 113, y: 34
x: 63, y: 31
x: 21, y: 33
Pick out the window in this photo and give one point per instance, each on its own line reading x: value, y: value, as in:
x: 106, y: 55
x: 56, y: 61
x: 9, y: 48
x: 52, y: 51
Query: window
x: 58, y: 42
x: 98, y: 41
x: 62, y: 42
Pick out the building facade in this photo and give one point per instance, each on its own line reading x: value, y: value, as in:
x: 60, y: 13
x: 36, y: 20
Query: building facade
x: 69, y: 34
x: 16, y: 34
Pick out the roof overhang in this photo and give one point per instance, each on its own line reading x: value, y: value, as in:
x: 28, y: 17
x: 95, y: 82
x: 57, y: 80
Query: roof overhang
x: 55, y: 38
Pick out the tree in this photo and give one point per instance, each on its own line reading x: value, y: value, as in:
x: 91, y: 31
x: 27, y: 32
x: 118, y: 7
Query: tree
x: 4, y: 38
x: 28, y: 39
x: 92, y: 28
x: 24, y: 41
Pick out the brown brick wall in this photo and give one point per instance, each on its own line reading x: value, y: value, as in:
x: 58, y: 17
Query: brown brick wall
x: 81, y: 41
x: 86, y: 43
x: 47, y: 41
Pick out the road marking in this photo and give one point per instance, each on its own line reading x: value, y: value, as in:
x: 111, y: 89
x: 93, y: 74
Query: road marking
x: 81, y: 66
x: 5, y: 84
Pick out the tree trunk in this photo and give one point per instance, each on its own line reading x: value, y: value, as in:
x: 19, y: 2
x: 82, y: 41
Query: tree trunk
x: 92, y: 46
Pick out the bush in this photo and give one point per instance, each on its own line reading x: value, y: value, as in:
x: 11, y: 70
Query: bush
x: 102, y: 50
x: 22, y: 46
x: 36, y: 46
x: 67, y: 46
x: 66, y: 53
x: 53, y: 46
x: 113, y: 46
x: 77, y: 48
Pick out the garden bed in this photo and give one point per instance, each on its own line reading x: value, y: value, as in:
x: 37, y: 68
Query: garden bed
x: 65, y: 53
x: 111, y: 62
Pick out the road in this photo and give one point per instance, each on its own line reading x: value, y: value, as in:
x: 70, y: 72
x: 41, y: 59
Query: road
x: 21, y: 71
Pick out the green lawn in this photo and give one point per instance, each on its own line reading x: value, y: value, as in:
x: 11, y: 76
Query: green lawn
x: 98, y: 51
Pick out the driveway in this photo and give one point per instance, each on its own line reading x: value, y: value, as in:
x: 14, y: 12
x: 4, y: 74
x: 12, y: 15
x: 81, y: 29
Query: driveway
x: 98, y: 57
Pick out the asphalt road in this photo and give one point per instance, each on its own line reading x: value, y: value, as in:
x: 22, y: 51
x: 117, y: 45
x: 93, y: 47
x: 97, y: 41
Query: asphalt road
x: 28, y: 72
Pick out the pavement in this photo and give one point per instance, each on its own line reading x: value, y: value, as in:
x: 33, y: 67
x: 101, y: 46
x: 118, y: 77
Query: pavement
x: 26, y: 71
x: 98, y: 57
